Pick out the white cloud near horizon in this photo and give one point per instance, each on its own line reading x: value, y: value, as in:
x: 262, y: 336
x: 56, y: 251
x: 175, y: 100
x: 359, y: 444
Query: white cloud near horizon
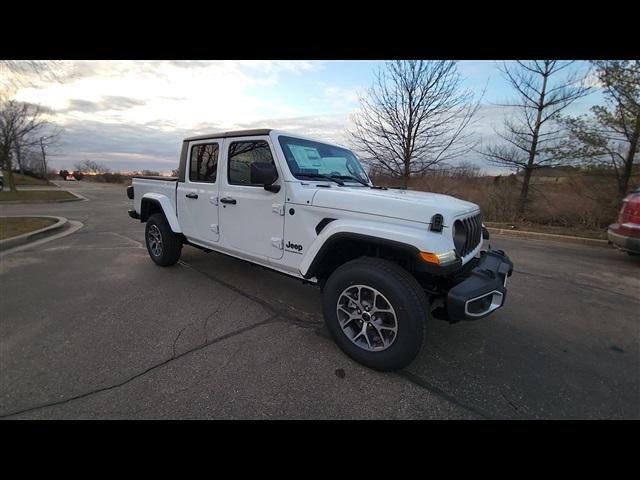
x: 210, y: 93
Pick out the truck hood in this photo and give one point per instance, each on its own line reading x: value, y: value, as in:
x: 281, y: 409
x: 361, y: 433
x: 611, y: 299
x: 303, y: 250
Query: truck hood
x: 402, y: 204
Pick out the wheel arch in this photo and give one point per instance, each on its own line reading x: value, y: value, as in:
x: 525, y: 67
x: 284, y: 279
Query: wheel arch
x: 154, y: 203
x: 342, y: 247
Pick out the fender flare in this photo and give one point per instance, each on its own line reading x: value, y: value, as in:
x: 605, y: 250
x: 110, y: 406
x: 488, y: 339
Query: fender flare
x: 165, y: 206
x: 410, y: 238
x: 312, y: 269
x: 407, y: 237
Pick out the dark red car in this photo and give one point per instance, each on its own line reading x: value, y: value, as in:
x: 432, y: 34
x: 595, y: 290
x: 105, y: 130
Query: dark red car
x: 625, y: 234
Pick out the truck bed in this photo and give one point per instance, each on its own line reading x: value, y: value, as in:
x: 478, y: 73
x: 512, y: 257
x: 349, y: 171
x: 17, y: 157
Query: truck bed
x: 161, y: 185
x: 156, y: 177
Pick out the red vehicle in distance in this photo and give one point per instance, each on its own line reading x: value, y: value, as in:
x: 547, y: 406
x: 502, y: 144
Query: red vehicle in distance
x: 625, y: 233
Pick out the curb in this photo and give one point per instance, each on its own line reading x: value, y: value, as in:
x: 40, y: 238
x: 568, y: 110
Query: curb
x: 549, y: 236
x: 79, y: 198
x: 32, y: 236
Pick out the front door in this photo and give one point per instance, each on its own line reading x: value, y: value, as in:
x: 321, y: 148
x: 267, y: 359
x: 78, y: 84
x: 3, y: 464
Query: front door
x: 197, y: 197
x: 251, y: 218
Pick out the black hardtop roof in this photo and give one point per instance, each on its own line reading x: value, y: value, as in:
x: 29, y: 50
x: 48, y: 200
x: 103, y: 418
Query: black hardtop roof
x: 233, y: 133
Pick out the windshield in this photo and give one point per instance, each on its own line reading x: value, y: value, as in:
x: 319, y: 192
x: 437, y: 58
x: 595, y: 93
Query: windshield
x: 308, y: 159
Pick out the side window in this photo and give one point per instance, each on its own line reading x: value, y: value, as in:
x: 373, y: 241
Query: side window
x: 204, y: 163
x: 242, y: 155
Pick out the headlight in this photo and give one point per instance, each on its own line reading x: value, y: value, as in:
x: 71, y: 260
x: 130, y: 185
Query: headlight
x: 444, y: 258
x: 459, y: 235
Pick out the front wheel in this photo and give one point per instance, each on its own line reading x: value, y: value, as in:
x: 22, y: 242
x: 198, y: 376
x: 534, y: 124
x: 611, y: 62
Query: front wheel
x: 375, y: 311
x: 163, y: 245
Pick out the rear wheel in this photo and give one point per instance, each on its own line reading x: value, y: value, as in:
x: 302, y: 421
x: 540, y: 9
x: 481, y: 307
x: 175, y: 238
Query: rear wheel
x: 375, y: 311
x: 163, y: 245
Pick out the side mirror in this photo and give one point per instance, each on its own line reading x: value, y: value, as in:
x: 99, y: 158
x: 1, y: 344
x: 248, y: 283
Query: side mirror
x: 264, y: 173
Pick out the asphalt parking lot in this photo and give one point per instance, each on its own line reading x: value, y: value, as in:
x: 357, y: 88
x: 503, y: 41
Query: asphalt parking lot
x: 91, y: 328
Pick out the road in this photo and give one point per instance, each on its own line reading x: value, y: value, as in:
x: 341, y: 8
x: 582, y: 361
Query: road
x: 91, y: 328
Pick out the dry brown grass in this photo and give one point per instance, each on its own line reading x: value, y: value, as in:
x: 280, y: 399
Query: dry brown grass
x: 36, y: 196
x: 577, y: 204
x: 14, y: 226
x: 28, y: 180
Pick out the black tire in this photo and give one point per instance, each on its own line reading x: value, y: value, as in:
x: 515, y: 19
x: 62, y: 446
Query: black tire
x: 403, y: 293
x: 171, y: 246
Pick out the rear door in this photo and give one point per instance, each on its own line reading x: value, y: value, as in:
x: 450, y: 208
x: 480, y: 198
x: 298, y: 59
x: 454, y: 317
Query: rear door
x: 197, y: 196
x: 251, y: 218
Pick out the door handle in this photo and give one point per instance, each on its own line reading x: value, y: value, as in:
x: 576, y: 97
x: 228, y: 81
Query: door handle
x: 228, y: 200
x: 191, y: 195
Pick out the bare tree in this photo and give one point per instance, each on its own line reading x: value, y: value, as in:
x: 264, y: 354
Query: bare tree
x: 30, y: 160
x: 31, y: 151
x: 91, y: 167
x: 532, y: 137
x: 19, y: 122
x: 413, y: 118
x: 21, y: 73
x: 611, y: 133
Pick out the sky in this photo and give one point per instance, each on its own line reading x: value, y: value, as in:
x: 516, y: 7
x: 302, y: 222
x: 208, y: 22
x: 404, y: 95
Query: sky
x: 132, y: 115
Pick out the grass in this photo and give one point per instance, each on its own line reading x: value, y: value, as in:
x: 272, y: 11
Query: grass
x: 553, y: 229
x: 27, y: 180
x: 14, y: 226
x: 36, y: 196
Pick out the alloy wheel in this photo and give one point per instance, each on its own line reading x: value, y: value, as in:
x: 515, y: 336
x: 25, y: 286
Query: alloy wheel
x: 367, y: 318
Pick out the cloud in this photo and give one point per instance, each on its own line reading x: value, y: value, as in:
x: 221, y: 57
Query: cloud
x: 331, y: 128
x: 79, y: 105
x: 154, y: 147
x: 121, y: 103
x: 107, y: 103
x: 119, y: 146
x: 337, y: 97
x: 141, y: 92
x: 133, y: 114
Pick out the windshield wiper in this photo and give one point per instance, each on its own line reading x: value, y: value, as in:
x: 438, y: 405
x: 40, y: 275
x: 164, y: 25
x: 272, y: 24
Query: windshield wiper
x: 324, y: 177
x: 349, y: 177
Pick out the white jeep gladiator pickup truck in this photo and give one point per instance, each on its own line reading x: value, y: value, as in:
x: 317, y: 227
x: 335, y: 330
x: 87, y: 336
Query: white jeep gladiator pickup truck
x: 386, y: 260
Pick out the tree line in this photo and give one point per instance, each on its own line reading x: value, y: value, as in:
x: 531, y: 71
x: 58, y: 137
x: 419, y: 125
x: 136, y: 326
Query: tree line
x: 417, y: 116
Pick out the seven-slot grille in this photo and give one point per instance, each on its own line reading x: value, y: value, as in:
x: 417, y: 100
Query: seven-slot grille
x: 473, y: 233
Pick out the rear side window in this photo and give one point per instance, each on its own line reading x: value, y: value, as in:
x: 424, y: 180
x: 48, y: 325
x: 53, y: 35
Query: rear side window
x: 204, y: 163
x: 242, y: 155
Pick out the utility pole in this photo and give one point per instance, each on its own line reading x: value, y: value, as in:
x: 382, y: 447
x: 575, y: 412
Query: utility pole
x: 44, y: 159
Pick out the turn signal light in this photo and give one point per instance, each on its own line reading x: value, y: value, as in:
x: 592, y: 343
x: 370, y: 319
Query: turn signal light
x: 444, y: 258
x: 430, y: 257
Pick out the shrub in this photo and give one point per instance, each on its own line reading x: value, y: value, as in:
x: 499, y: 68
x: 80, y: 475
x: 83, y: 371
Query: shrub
x: 581, y: 199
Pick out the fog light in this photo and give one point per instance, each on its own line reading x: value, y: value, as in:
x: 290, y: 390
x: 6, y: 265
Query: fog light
x: 479, y: 306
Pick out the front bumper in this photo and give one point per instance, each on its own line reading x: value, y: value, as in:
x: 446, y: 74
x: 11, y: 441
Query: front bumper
x: 483, y: 291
